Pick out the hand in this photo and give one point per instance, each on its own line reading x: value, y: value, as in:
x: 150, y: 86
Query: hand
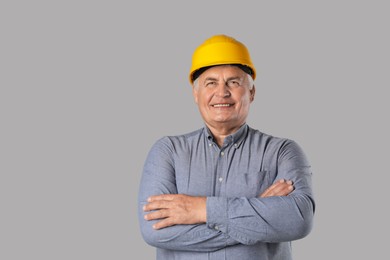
x: 174, y: 209
x: 280, y: 188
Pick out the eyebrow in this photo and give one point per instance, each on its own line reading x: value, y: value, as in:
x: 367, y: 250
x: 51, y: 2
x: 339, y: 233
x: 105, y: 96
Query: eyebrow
x: 234, y: 78
x: 228, y: 79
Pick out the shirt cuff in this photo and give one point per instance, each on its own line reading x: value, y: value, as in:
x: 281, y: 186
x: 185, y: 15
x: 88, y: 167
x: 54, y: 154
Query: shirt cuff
x: 217, y: 216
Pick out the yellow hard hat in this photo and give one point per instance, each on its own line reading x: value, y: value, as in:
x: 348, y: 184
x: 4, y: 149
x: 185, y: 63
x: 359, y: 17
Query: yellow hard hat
x: 219, y: 50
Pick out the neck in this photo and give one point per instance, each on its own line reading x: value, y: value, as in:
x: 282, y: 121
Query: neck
x: 219, y: 133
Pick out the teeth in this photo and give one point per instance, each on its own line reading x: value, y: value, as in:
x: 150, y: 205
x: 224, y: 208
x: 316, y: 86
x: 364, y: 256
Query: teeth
x: 221, y: 105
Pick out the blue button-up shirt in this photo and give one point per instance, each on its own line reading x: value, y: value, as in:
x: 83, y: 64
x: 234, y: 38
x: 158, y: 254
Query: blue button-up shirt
x: 240, y: 224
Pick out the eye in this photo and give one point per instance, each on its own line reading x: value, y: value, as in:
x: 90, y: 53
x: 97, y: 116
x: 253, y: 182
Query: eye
x: 211, y: 84
x: 233, y: 83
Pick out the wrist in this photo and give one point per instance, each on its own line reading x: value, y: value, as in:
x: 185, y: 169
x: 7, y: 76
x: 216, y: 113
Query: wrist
x: 202, y: 209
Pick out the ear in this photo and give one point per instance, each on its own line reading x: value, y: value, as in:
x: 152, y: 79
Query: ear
x: 252, y: 93
x: 195, y: 93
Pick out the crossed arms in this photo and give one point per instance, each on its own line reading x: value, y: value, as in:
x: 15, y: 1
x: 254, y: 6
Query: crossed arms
x: 194, y: 223
x: 175, y: 209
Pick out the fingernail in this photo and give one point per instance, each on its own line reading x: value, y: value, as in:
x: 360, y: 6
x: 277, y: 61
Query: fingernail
x: 146, y: 217
x: 290, y: 187
x: 289, y: 182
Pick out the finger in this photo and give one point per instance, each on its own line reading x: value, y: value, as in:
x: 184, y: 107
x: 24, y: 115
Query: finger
x: 162, y: 197
x: 268, y: 191
x: 159, y: 214
x: 162, y: 204
x: 281, y: 190
x: 284, y: 188
x: 167, y: 222
x: 270, y: 188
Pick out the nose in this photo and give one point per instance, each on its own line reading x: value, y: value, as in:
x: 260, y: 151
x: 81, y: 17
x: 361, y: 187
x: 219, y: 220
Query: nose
x: 223, y: 90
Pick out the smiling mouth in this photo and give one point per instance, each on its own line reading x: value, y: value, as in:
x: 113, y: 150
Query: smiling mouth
x: 222, y: 105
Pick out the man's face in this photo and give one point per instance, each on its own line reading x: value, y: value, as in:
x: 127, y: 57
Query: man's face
x: 223, y: 94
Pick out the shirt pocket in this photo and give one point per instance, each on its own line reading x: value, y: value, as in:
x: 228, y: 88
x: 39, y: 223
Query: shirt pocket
x: 250, y: 184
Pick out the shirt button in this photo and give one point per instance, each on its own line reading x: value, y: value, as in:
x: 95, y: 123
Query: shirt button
x: 220, y: 179
x: 210, y: 144
x: 216, y: 228
x: 235, y: 145
x: 222, y: 153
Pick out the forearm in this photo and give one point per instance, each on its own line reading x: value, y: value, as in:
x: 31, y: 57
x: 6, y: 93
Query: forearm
x: 189, y: 237
x: 273, y: 219
x: 180, y: 209
x: 184, y: 237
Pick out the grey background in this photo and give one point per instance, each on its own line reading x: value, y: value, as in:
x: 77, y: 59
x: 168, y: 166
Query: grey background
x: 88, y: 86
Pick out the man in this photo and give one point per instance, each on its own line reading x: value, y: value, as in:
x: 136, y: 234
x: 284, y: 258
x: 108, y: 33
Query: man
x: 225, y: 191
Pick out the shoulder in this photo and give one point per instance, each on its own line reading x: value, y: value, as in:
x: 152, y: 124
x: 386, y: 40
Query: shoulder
x: 271, y: 142
x: 266, y: 138
x: 178, y: 142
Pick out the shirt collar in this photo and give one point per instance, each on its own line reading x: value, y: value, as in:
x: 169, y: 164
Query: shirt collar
x: 235, y: 138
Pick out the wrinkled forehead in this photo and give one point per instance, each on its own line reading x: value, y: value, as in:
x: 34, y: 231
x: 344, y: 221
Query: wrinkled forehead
x: 223, y: 72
